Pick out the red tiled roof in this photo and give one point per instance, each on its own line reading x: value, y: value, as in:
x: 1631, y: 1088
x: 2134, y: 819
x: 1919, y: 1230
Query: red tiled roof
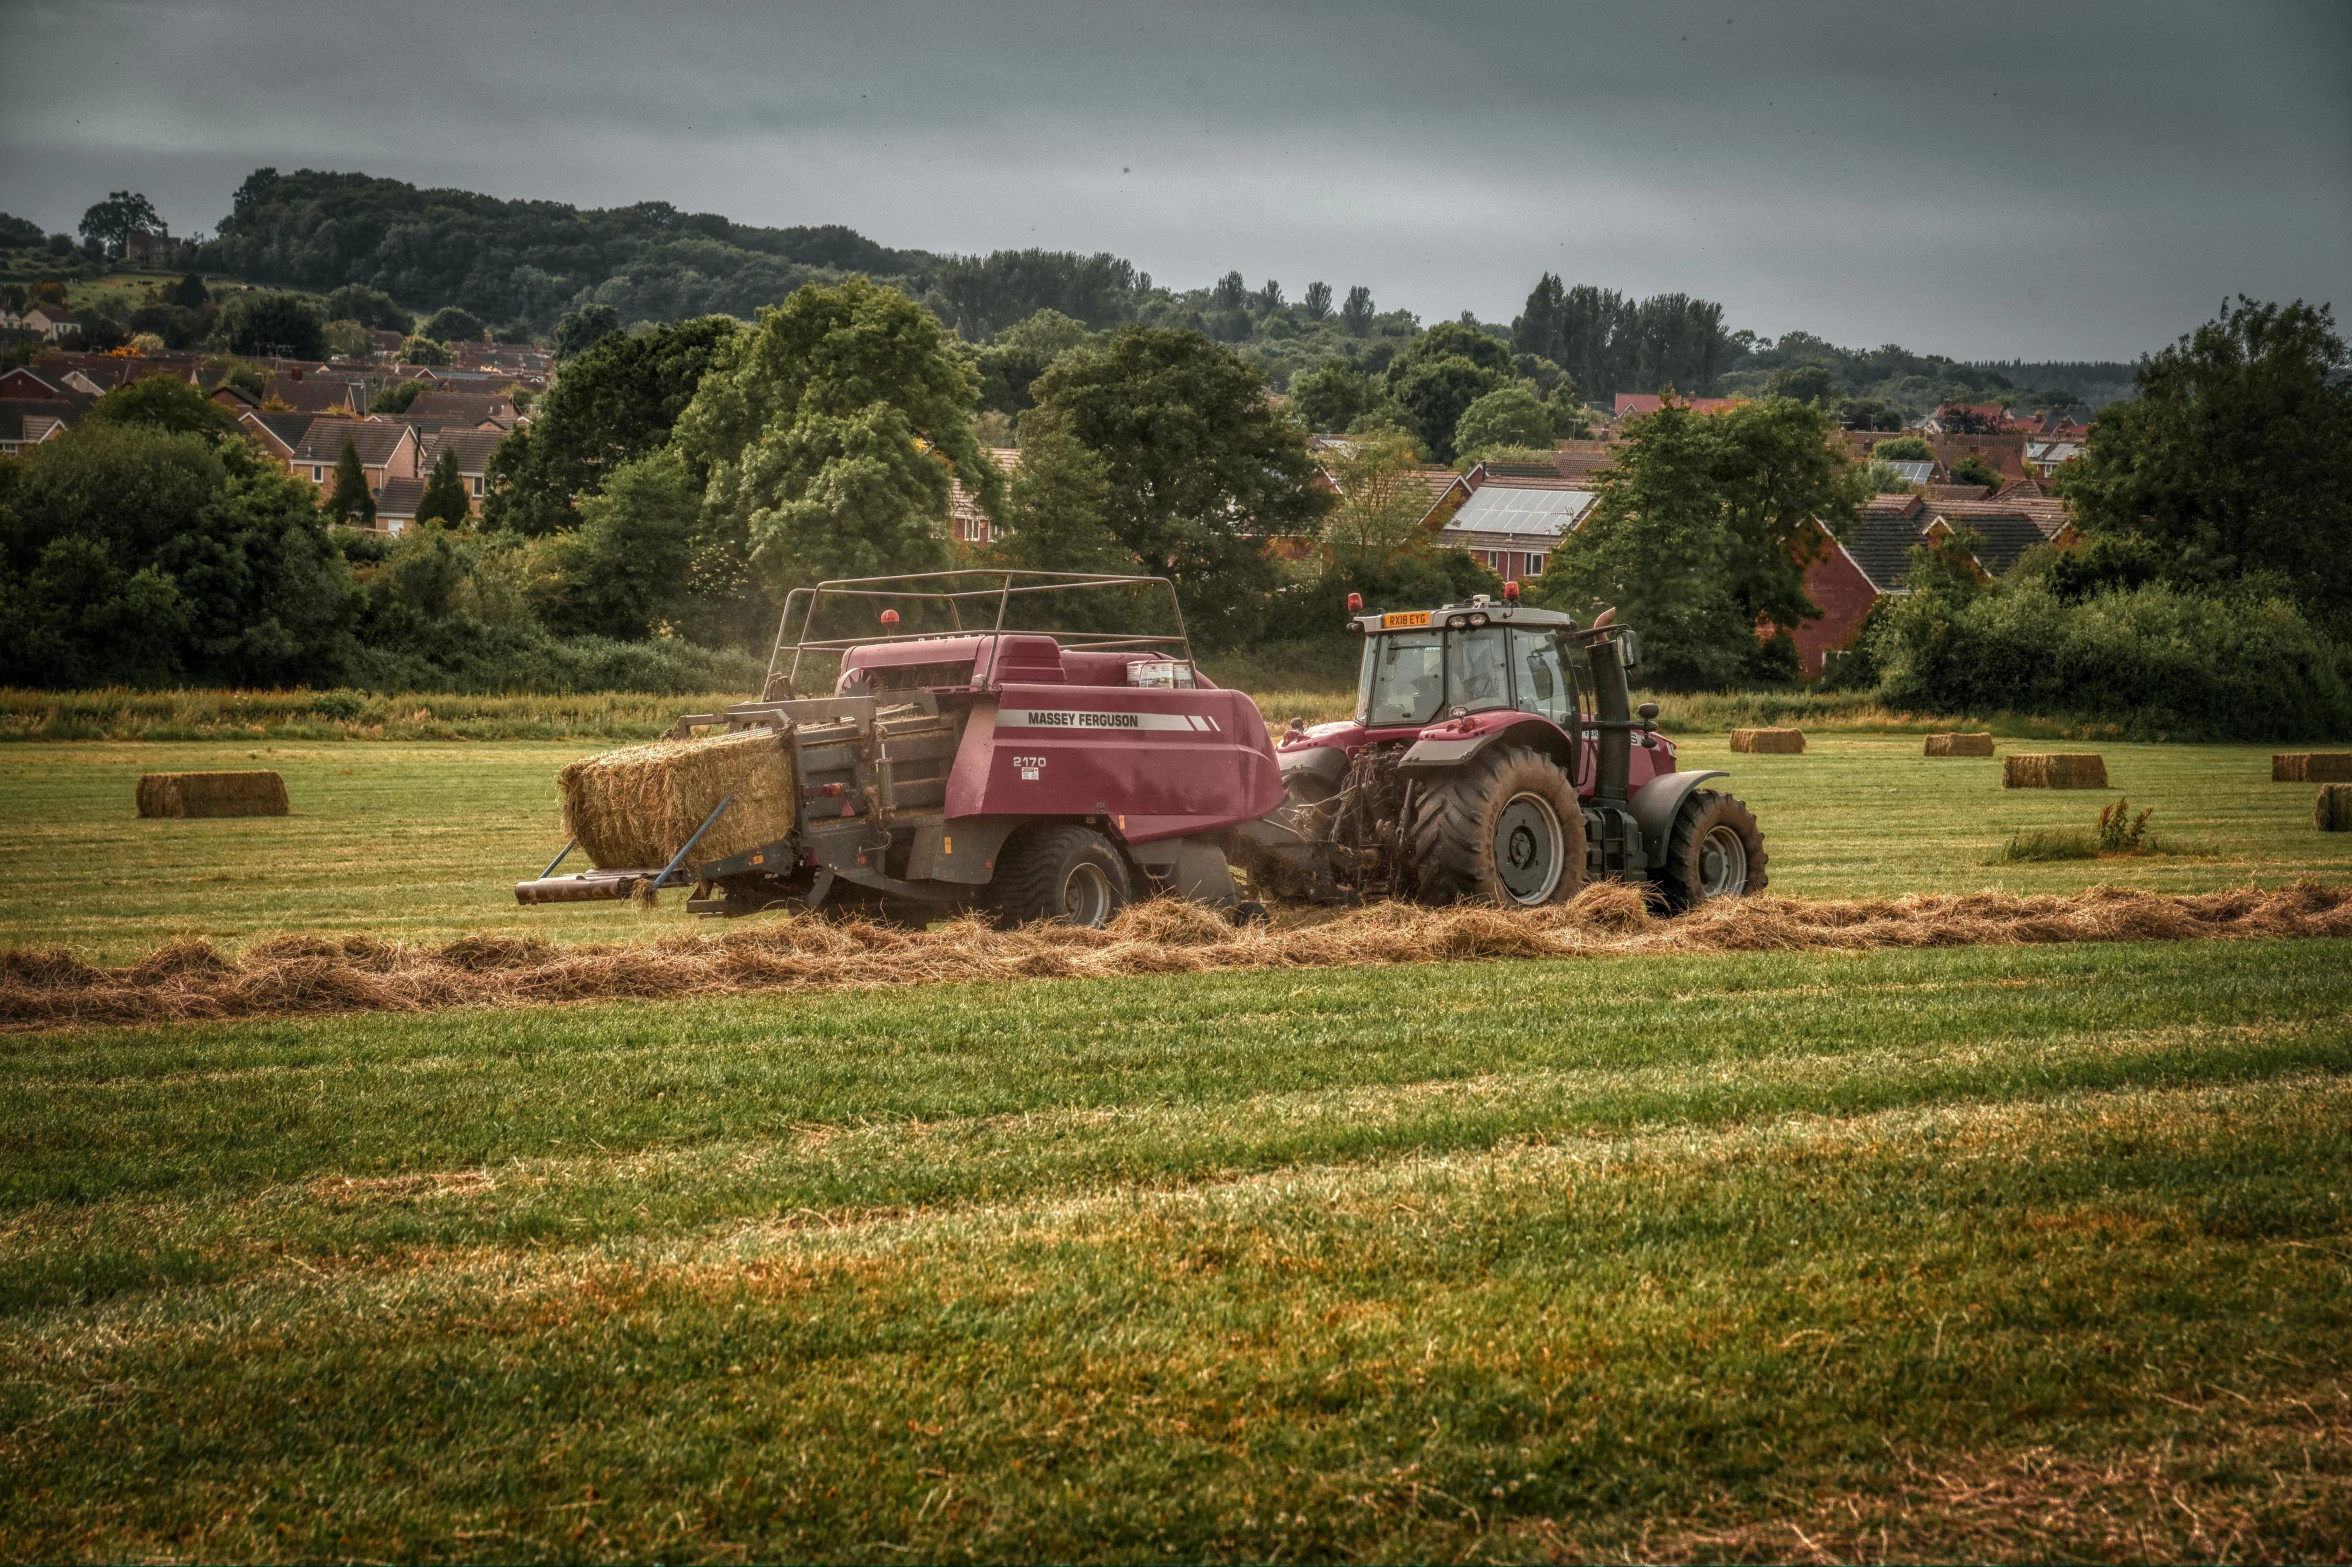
x: 323, y: 441
x: 473, y: 448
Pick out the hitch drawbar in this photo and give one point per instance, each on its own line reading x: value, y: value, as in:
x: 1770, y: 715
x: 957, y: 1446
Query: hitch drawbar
x: 613, y: 886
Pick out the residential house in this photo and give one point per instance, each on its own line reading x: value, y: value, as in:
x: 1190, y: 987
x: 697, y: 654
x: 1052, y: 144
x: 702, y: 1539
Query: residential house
x: 25, y: 422
x: 439, y: 410
x: 1632, y: 405
x: 2004, y: 529
x: 386, y: 452
x: 472, y: 448
x: 396, y: 505
x: 1584, y: 461
x: 506, y: 359
x: 1912, y: 471
x: 279, y: 434
x: 2046, y: 454
x: 1851, y: 575
x: 142, y: 249
x: 51, y: 323
x: 1514, y: 524
x: 41, y: 386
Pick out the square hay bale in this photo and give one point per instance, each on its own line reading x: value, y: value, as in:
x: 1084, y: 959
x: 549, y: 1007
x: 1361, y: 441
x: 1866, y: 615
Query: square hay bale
x: 2054, y: 770
x: 1769, y: 742
x: 212, y: 794
x: 2332, y: 811
x: 2311, y: 767
x: 637, y: 807
x: 1959, y: 745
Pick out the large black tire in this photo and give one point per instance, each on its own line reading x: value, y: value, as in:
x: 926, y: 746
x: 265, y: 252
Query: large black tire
x: 1504, y: 829
x: 1715, y: 851
x: 1060, y: 873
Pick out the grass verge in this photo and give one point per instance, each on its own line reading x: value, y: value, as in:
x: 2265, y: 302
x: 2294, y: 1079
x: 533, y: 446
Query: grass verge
x: 1973, y: 1253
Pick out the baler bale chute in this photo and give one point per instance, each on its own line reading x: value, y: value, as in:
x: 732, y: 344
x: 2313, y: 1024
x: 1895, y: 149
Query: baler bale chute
x: 967, y: 757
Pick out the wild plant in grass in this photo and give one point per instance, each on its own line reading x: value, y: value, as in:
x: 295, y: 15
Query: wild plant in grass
x: 2119, y: 831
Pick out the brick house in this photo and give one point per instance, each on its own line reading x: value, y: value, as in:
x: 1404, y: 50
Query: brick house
x: 473, y: 449
x: 386, y: 452
x: 1513, y: 524
x: 25, y: 421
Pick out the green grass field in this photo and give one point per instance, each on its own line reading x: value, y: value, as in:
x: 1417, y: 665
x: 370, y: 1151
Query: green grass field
x: 2030, y: 1254
x: 2020, y: 1253
x: 425, y: 840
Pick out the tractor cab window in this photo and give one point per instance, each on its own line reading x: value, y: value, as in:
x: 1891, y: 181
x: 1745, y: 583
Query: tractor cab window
x: 1581, y: 675
x: 1478, y: 669
x: 1404, y: 679
x: 1543, y: 683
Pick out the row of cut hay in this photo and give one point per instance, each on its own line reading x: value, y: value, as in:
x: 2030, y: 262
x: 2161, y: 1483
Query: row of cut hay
x: 300, y: 974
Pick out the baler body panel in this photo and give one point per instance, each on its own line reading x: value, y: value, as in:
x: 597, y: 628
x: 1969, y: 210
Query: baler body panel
x: 1156, y: 762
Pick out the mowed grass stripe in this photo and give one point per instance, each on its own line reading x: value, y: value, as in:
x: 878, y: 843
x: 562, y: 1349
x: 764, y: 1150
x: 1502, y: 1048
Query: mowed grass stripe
x: 232, y: 1107
x: 1431, y: 1356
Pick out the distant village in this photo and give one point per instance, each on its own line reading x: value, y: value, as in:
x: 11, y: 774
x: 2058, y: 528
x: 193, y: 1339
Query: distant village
x: 1969, y: 471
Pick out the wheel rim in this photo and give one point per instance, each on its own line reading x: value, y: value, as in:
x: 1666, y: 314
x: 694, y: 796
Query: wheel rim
x: 1527, y: 848
x: 1086, y: 896
x: 1723, y: 864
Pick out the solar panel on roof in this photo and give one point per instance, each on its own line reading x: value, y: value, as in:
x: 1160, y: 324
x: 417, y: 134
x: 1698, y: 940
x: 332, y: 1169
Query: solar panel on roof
x: 1496, y: 509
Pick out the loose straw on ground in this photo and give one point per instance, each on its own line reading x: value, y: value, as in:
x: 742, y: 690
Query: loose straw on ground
x: 305, y: 974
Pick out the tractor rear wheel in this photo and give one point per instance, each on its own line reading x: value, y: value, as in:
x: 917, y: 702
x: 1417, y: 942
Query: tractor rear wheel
x: 1716, y: 850
x: 1505, y: 829
x: 1066, y: 873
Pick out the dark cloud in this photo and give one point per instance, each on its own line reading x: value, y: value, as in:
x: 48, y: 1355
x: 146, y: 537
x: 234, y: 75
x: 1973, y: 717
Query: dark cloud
x: 1987, y: 179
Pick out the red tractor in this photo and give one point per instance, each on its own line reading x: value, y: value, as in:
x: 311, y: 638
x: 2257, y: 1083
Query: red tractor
x: 1493, y: 756
x: 965, y: 761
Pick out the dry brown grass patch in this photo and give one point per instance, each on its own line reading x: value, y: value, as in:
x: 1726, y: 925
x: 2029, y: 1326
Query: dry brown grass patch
x: 311, y: 974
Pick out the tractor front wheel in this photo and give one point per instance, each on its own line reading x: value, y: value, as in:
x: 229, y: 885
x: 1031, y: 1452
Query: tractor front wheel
x: 1505, y: 829
x: 1715, y: 851
x: 1066, y: 873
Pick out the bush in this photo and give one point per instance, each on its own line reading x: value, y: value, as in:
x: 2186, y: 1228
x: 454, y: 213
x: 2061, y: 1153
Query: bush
x: 2161, y: 663
x: 464, y: 655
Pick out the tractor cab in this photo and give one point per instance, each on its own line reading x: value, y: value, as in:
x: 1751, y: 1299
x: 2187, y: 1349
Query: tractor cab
x: 1423, y: 666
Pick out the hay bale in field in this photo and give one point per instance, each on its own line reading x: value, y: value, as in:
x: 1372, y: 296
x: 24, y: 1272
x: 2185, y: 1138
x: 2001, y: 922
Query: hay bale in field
x: 2311, y: 767
x: 1769, y: 742
x: 1959, y: 745
x: 2332, y: 811
x: 637, y: 807
x: 212, y: 794
x: 2054, y: 770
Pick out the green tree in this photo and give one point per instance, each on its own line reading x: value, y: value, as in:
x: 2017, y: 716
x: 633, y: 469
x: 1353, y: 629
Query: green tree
x: 112, y: 222
x: 630, y: 569
x: 189, y: 293
x: 445, y: 498
x: 164, y: 402
x: 270, y: 325
x: 1435, y: 381
x: 1805, y: 383
x: 139, y: 554
x: 1058, y: 508
x: 830, y: 436
x: 583, y: 329
x: 1382, y: 500
x: 451, y: 324
x: 1332, y: 395
x: 1202, y: 469
x: 350, y: 503
x: 1019, y: 355
x: 1703, y: 530
x: 1904, y: 448
x: 1973, y: 469
x: 613, y: 404
x: 423, y: 350
x: 370, y: 307
x: 2230, y: 458
x: 1355, y: 316
x: 1510, y: 416
x: 396, y: 398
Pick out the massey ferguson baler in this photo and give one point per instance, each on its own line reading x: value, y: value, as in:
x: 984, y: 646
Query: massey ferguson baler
x: 1063, y: 773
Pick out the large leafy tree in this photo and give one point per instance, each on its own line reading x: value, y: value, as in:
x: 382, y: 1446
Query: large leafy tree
x: 113, y: 221
x: 164, y: 402
x: 1332, y: 395
x: 2230, y: 458
x: 134, y: 552
x: 1702, y: 533
x: 1058, y: 509
x: 266, y: 324
x: 1202, y: 468
x: 1446, y: 369
x: 614, y: 403
x: 829, y: 438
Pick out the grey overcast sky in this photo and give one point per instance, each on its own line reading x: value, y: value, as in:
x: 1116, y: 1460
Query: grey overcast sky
x: 1988, y: 180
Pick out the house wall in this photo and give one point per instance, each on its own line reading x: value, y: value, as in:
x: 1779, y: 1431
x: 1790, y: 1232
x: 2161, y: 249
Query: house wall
x: 1844, y: 596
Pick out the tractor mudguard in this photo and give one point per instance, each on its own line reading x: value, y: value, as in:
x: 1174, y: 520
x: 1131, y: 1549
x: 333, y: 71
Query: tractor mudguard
x: 1464, y: 738
x: 1656, y: 803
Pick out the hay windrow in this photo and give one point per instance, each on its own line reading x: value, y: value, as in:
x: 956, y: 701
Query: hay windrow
x: 297, y: 975
x: 639, y: 806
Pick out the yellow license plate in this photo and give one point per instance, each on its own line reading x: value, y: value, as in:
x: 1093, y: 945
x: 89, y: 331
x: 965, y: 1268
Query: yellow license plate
x: 1408, y: 617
